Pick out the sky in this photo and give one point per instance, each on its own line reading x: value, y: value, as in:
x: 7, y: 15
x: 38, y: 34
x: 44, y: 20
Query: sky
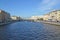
x: 27, y: 8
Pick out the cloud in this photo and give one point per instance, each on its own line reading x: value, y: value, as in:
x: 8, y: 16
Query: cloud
x: 45, y: 2
x: 48, y: 4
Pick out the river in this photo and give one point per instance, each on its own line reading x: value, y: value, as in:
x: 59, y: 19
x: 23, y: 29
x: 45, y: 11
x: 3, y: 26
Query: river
x: 29, y: 31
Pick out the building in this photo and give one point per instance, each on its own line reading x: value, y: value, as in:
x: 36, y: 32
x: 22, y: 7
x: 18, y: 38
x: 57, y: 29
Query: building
x: 4, y: 16
x: 52, y: 16
x: 15, y: 18
x: 46, y: 17
x: 58, y: 15
x: 35, y: 18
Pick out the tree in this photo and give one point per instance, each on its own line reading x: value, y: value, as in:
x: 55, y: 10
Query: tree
x: 40, y: 19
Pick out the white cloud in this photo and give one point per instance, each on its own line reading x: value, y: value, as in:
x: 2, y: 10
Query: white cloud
x: 48, y: 4
x: 45, y: 2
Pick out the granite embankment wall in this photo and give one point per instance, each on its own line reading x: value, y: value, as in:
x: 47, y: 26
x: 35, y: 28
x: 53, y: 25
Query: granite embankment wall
x: 52, y: 23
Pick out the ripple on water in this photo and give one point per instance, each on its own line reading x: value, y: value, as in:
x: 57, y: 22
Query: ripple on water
x: 29, y: 31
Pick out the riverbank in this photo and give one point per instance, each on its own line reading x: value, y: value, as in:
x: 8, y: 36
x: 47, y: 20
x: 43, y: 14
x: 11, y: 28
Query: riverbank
x: 5, y: 23
x: 52, y: 23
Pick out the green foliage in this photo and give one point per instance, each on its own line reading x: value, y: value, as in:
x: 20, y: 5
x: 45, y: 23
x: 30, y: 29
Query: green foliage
x: 40, y: 19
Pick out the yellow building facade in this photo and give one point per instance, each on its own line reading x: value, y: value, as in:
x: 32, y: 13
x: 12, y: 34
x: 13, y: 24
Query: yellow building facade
x: 53, y: 16
x: 46, y: 17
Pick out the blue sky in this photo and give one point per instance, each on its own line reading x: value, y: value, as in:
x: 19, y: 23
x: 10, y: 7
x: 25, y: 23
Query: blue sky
x: 27, y: 8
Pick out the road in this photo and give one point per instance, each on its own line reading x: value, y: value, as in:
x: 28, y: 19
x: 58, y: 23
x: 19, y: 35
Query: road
x: 29, y: 31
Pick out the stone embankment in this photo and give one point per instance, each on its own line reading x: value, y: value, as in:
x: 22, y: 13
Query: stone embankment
x: 5, y: 23
x: 52, y: 23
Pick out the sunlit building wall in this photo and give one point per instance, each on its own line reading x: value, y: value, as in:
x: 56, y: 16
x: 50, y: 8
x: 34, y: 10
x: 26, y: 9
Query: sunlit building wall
x: 15, y: 18
x: 53, y: 16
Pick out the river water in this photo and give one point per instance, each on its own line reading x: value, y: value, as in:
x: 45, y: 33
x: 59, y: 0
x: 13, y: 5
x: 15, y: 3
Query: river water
x: 29, y: 31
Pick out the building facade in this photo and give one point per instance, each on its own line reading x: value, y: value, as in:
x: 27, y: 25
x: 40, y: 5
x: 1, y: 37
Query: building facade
x: 46, y: 17
x: 4, y: 16
x: 36, y: 18
x: 53, y: 16
x: 15, y: 18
